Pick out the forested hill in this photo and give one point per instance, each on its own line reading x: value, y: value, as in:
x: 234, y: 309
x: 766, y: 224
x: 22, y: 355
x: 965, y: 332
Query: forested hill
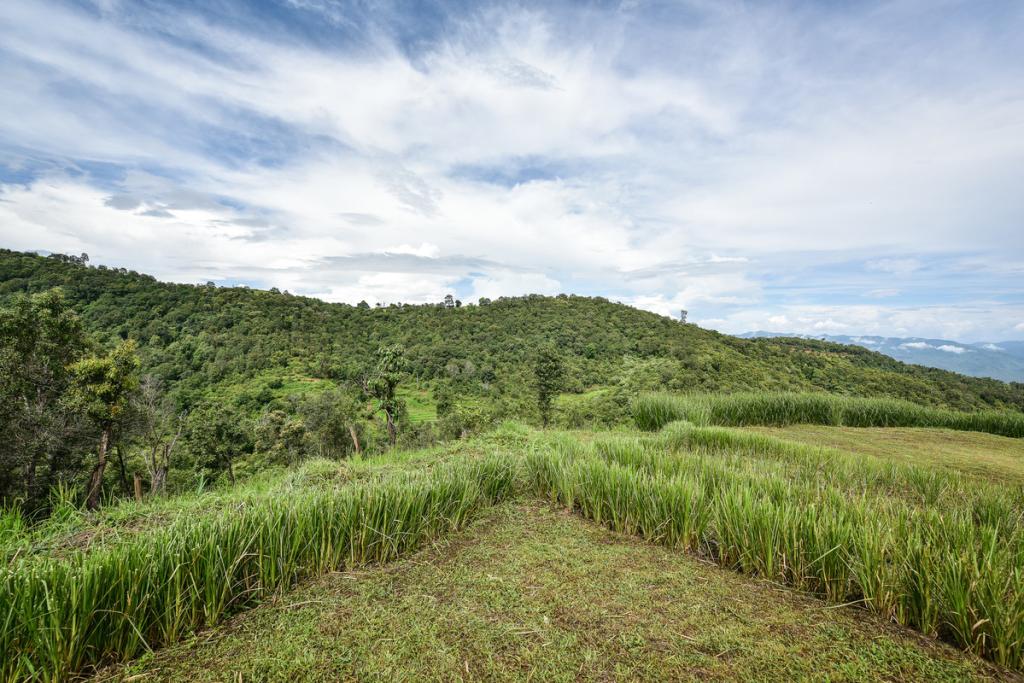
x: 206, y: 341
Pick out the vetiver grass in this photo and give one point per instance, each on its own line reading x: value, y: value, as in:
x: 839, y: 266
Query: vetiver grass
x: 931, y: 549
x: 653, y: 411
x: 947, y: 572
x: 529, y: 593
x: 59, y: 617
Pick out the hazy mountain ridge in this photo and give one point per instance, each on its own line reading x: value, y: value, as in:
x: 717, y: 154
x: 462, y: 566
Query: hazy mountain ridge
x: 999, y: 360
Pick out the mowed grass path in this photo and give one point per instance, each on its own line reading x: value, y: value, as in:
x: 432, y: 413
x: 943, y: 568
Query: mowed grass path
x: 985, y: 456
x: 528, y: 592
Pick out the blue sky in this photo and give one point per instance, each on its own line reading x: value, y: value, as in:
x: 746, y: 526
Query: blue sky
x: 813, y: 167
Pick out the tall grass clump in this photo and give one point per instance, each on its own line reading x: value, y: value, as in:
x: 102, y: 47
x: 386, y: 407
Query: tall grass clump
x: 653, y: 411
x: 942, y: 570
x: 62, y: 617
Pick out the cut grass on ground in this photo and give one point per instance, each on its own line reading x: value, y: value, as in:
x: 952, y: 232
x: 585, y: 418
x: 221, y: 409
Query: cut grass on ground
x: 532, y: 593
x: 985, y: 456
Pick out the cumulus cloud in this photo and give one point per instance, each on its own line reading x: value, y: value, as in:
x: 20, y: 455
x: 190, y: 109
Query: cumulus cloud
x: 764, y: 166
x: 951, y: 348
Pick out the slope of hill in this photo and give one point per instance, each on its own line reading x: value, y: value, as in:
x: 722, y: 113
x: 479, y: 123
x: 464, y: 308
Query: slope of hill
x: 999, y: 360
x: 210, y: 341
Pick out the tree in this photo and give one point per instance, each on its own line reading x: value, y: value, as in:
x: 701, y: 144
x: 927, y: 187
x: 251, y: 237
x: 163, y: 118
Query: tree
x: 40, y: 433
x: 383, y: 383
x: 101, y: 388
x: 280, y: 437
x: 217, y: 435
x: 333, y: 422
x: 548, y: 372
x: 159, y: 427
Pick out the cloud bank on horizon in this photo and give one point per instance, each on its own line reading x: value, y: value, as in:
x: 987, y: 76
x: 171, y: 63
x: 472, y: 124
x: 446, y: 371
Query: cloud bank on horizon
x: 842, y: 168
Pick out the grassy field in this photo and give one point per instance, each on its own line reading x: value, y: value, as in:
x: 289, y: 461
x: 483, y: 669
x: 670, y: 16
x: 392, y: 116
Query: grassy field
x: 420, y: 403
x: 530, y: 593
x: 985, y: 456
x: 734, y: 520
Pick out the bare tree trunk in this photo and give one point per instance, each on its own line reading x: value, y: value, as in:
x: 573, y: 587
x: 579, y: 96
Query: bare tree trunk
x: 123, y: 472
x: 138, y: 487
x: 392, y: 434
x: 355, y: 438
x: 30, y: 478
x: 92, y: 501
x: 231, y: 472
x: 158, y: 480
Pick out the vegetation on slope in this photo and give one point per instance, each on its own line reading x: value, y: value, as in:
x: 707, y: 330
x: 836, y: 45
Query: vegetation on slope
x: 198, y: 338
x: 932, y: 549
x: 653, y: 411
x: 231, y: 381
x: 527, y: 592
x: 63, y: 616
x: 937, y: 552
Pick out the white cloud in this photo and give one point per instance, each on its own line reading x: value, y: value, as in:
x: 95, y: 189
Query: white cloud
x: 495, y: 285
x: 426, y: 250
x: 916, y: 345
x: 708, y: 165
x: 950, y: 348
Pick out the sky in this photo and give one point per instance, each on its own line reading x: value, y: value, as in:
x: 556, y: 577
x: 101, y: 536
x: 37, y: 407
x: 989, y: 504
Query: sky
x: 813, y: 167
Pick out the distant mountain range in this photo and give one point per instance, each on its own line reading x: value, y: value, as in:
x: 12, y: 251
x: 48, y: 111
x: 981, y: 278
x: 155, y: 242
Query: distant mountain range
x: 999, y: 360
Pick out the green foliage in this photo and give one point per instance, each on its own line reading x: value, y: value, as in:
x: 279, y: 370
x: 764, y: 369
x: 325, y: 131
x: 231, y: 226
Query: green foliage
x: 946, y: 562
x: 279, y: 438
x: 548, y: 377
x: 101, y: 385
x: 41, y: 435
x: 217, y: 435
x: 61, y: 617
x: 247, y: 353
x: 462, y: 420
x: 334, y: 423
x: 652, y: 411
x: 206, y: 341
x: 383, y: 383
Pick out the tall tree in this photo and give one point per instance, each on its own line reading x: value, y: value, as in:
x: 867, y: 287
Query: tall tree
x: 159, y: 427
x: 548, y: 373
x: 101, y: 388
x: 333, y: 421
x: 217, y: 435
x: 40, y: 434
x: 384, y: 383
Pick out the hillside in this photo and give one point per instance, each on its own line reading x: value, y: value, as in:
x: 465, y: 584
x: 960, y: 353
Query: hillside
x: 253, y: 346
x: 999, y: 360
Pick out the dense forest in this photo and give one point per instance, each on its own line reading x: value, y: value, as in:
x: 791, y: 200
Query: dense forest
x: 184, y: 384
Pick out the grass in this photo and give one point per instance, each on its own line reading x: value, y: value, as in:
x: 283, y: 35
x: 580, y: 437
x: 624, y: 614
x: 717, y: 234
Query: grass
x: 927, y: 547
x: 62, y: 616
x: 527, y: 592
x: 419, y: 403
x: 946, y: 566
x: 983, y: 456
x: 653, y: 411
